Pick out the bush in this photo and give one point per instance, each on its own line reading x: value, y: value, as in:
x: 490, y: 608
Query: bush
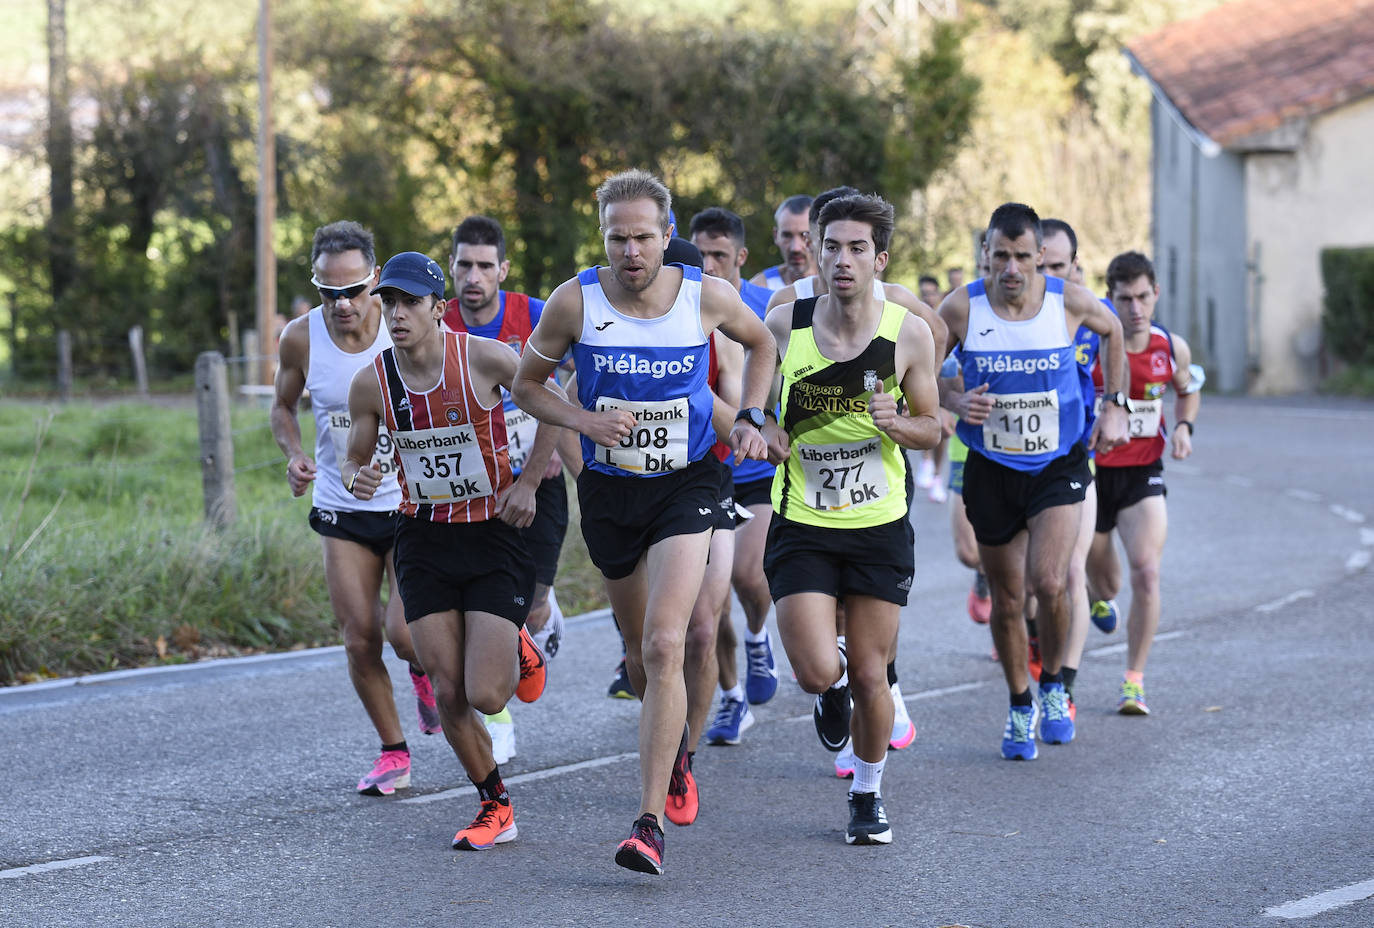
x: 1348, y: 275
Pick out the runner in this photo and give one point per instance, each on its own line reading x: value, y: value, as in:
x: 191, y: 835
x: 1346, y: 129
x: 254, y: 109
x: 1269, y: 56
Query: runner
x: 791, y: 233
x: 465, y: 576
x: 1022, y: 420
x: 719, y: 234
x: 840, y: 530
x: 1132, y: 476
x: 649, y: 492
x: 321, y: 351
x: 479, y: 267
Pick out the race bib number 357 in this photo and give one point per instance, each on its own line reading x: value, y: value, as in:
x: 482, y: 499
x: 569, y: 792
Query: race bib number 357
x: 657, y: 443
x: 443, y: 465
x: 1023, y: 423
x: 843, y: 476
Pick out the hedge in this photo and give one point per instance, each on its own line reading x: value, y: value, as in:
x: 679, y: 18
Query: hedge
x: 1348, y: 320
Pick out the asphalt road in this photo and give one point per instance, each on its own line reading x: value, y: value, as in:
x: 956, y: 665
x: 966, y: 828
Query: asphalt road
x: 223, y: 794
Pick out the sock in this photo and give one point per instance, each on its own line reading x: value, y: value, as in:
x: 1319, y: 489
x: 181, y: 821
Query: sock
x: 399, y: 746
x: 868, y: 778
x: 735, y: 693
x: 1022, y: 698
x: 1031, y: 630
x: 1135, y: 676
x: 555, y: 612
x: 1070, y: 674
x: 492, y: 788
x: 891, y: 673
x: 502, y: 716
x: 1046, y: 677
x: 755, y: 639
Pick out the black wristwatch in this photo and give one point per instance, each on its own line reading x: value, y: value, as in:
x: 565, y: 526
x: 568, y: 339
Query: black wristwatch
x: 753, y: 415
x: 1119, y: 399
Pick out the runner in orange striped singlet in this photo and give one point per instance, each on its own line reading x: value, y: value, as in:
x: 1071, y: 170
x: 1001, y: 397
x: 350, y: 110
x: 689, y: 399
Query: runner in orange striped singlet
x: 465, y: 577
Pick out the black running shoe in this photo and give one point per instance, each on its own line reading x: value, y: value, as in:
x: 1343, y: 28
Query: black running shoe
x: 643, y: 849
x: 831, y: 715
x: 867, y: 820
x: 620, y: 687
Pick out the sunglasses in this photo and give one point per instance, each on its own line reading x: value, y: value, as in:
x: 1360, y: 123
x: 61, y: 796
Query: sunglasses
x: 347, y: 292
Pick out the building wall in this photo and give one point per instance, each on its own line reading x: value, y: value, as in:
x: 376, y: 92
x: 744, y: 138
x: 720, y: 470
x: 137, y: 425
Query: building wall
x: 1320, y: 196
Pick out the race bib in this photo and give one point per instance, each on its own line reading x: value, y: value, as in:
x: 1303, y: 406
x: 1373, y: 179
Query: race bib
x: 520, y: 429
x: 1143, y: 422
x: 657, y: 443
x: 1023, y: 423
x: 443, y: 465
x: 843, y: 476
x: 382, y: 457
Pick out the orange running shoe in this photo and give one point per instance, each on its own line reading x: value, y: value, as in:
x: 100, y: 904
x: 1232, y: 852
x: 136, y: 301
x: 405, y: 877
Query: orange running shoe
x: 533, y: 669
x: 643, y: 849
x: 494, y: 824
x: 683, y: 801
x: 980, y: 599
x: 1033, y: 665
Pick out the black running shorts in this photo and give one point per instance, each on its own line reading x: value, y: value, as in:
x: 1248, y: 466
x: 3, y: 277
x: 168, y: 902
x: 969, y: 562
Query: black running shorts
x: 1120, y: 487
x: 1000, y: 500
x: 465, y: 566
x: 878, y: 561
x: 373, y: 530
x: 544, y: 536
x: 755, y: 493
x: 725, y: 520
x: 623, y: 516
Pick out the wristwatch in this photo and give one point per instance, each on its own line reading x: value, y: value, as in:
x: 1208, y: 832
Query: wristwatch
x: 1119, y: 399
x: 753, y: 415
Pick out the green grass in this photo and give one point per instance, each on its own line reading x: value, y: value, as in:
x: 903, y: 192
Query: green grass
x: 105, y: 561
x: 1351, y: 380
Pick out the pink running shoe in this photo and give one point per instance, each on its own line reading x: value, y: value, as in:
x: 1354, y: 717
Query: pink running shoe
x: 390, y: 773
x: 425, y: 706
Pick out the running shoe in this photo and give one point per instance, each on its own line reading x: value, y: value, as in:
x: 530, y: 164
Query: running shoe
x: 1018, y: 740
x: 980, y: 599
x: 533, y: 669
x: 903, y: 729
x: 831, y: 715
x: 938, y: 493
x: 550, y: 637
x: 620, y: 687
x: 1105, y: 615
x: 1132, y: 701
x: 867, y: 820
x: 643, y: 849
x: 683, y: 800
x: 494, y: 824
x: 501, y: 727
x: 425, y: 706
x: 1073, y: 708
x: 733, y: 719
x: 844, y: 763
x: 761, y: 676
x: 390, y: 773
x: 925, y: 473
x: 1033, y: 665
x: 1056, y: 722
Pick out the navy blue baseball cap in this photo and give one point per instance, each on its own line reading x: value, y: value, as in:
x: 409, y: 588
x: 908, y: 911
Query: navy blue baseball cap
x: 412, y: 273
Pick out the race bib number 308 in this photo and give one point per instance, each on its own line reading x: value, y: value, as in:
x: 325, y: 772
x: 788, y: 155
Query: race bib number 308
x: 443, y: 465
x: 1023, y: 423
x: 843, y: 476
x: 382, y: 458
x: 657, y: 443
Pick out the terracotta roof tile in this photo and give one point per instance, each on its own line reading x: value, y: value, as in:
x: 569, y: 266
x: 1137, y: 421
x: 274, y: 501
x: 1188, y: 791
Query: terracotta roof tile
x: 1249, y: 66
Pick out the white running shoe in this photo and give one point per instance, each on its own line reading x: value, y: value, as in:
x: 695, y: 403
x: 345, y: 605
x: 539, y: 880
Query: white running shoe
x: 844, y: 762
x: 501, y: 727
x: 903, y: 729
x: 938, y: 493
x: 550, y: 637
x: 925, y: 473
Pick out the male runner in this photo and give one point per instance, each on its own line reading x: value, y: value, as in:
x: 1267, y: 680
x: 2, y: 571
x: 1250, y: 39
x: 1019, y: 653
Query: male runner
x: 719, y: 235
x: 1026, y: 473
x: 840, y: 530
x: 928, y: 289
x: 1131, y: 496
x: 321, y: 351
x: 465, y: 576
x: 791, y: 233
x: 479, y: 267
x: 639, y: 333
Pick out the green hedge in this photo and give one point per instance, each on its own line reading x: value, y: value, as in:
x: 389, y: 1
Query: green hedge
x: 1348, y: 275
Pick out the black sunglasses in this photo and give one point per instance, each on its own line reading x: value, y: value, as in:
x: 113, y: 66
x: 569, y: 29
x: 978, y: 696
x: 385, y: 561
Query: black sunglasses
x: 341, y: 293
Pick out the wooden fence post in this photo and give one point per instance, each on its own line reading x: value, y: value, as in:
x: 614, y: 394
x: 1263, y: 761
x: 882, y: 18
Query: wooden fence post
x: 64, y: 365
x: 216, y: 439
x: 140, y: 363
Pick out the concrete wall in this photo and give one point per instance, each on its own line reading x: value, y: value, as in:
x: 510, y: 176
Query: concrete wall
x: 1299, y: 203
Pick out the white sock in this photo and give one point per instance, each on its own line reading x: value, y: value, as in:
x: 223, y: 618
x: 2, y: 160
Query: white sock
x: 868, y: 778
x: 755, y: 639
x: 735, y: 693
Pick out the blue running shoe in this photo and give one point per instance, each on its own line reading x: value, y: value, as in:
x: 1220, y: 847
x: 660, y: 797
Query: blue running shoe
x: 1018, y: 741
x: 1056, y: 723
x: 1105, y: 615
x: 761, y: 678
x: 733, y: 718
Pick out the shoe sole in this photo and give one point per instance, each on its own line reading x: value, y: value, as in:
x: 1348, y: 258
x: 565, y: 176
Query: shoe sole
x: 508, y: 835
x: 844, y: 773
x: 1132, y: 708
x: 882, y: 837
x: 631, y: 859
x: 382, y: 789
x: 905, y: 741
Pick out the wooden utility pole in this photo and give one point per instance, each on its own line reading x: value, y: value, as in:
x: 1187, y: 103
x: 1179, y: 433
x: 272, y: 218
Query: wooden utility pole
x: 216, y: 440
x: 267, y: 200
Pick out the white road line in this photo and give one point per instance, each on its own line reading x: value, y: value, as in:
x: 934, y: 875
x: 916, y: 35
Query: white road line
x: 1121, y: 648
x: 50, y: 865
x: 1358, y: 560
x: 1322, y: 902
x: 1288, y: 600
x: 1307, y: 496
x: 1349, y: 515
x: 1367, y: 536
x: 525, y: 777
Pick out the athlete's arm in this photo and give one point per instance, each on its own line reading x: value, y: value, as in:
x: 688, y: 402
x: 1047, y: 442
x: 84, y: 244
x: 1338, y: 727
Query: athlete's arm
x: 953, y: 313
x: 365, y: 409
x: 559, y: 326
x: 900, y: 295
x: 1187, y: 405
x: 721, y: 307
x: 729, y: 377
x: 971, y: 406
x: 919, y: 427
x: 569, y: 448
x: 779, y: 322
x: 293, y: 359
x: 1082, y: 308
